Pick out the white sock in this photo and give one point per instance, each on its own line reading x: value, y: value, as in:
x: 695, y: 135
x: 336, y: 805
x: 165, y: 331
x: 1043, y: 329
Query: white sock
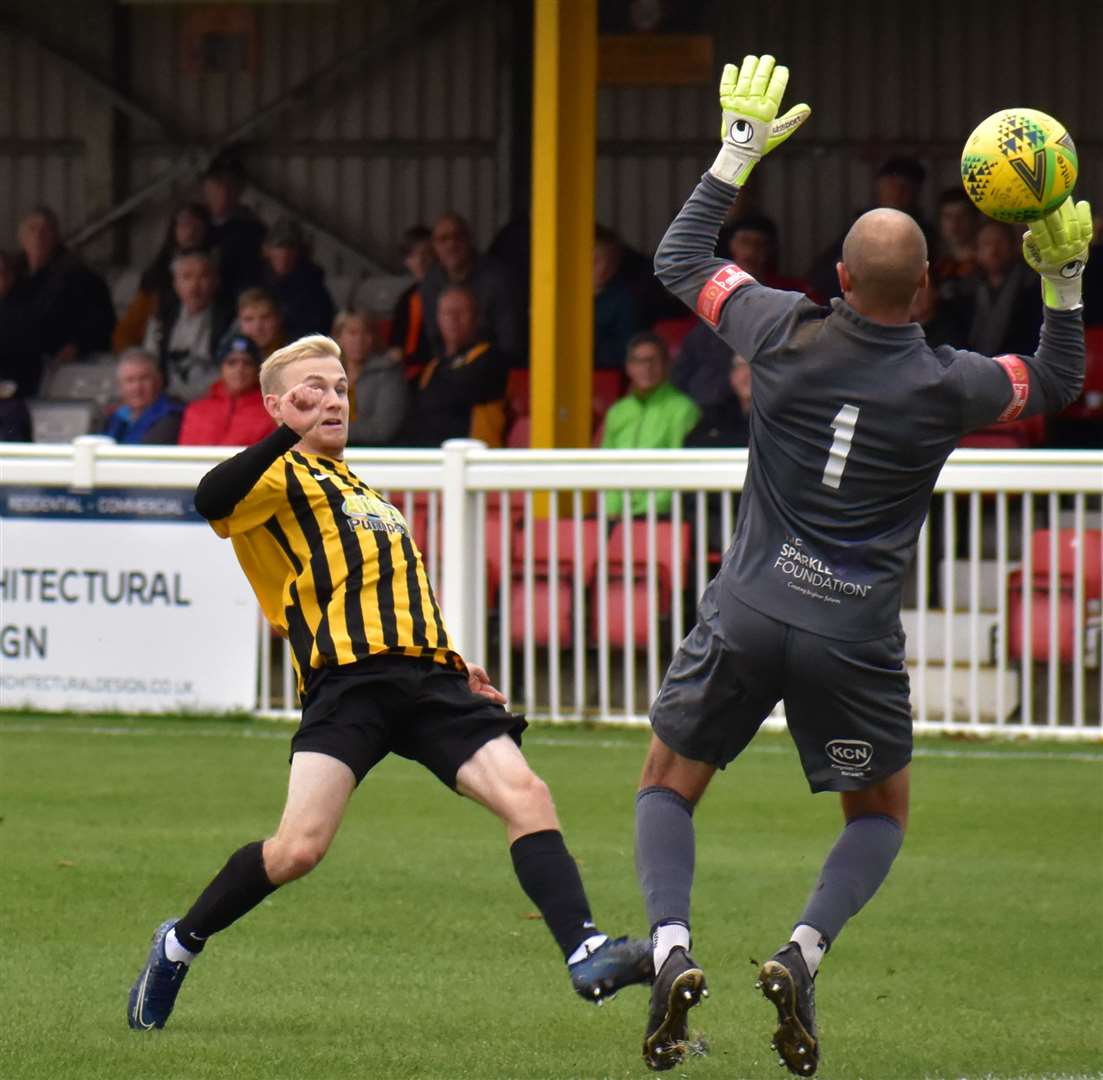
x: 176, y: 952
x: 666, y: 937
x: 587, y: 948
x: 812, y: 945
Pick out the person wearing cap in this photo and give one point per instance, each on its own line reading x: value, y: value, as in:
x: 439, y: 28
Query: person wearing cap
x: 232, y: 413
x: 296, y: 281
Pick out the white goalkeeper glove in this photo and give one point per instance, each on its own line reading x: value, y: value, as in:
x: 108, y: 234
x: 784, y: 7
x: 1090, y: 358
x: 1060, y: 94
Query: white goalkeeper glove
x: 750, y: 96
x: 1056, y: 247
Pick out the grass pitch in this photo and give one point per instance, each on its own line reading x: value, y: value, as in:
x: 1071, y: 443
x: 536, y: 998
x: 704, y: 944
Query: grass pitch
x: 412, y: 952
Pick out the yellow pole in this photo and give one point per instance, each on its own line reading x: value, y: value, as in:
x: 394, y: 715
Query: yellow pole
x: 563, y: 156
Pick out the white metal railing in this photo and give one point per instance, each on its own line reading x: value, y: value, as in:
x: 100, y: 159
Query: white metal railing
x: 576, y: 616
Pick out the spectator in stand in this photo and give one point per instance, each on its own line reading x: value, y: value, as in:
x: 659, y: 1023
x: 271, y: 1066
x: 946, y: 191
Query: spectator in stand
x: 722, y: 426
x: 296, y: 281
x: 1007, y: 311
x: 258, y: 317
x: 69, y: 306
x: 653, y: 415
x: 897, y: 185
x: 236, y: 232
x: 944, y: 315
x: 409, y: 333
x: 378, y: 390
x: 958, y: 221
x: 703, y: 367
x: 186, y: 331
x: 232, y: 412
x: 15, y: 417
x: 751, y: 242
x: 458, y: 263
x: 727, y: 423
x: 20, y: 363
x: 146, y: 415
x: 460, y: 394
x: 616, y: 311
x: 189, y: 230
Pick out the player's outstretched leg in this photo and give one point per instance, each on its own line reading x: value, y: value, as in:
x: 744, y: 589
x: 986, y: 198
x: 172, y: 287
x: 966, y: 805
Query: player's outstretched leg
x: 498, y: 776
x: 318, y: 790
x: 665, y: 856
x: 854, y: 870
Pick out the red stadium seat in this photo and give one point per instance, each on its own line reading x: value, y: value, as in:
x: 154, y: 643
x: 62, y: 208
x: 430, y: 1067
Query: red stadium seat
x: 1039, y: 595
x: 517, y: 392
x: 520, y: 433
x: 541, y: 613
x: 664, y: 566
x: 606, y: 387
x: 674, y: 331
x: 1089, y: 405
x: 1016, y: 435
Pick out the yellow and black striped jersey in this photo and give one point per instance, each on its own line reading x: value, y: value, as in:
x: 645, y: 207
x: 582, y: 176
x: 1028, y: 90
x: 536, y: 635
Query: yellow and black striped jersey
x: 334, y: 566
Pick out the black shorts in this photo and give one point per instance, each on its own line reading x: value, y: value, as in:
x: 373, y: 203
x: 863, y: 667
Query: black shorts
x: 413, y: 707
x: 846, y: 702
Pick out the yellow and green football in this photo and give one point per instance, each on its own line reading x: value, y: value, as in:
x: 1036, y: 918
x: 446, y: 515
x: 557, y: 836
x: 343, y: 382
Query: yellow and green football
x: 1018, y: 165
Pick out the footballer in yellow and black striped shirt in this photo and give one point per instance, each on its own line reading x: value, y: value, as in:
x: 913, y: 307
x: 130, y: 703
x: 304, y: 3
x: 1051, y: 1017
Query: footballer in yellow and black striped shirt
x: 333, y: 564
x: 334, y: 567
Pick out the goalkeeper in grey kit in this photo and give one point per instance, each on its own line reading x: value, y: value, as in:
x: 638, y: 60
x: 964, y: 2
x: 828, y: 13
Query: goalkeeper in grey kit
x: 852, y: 418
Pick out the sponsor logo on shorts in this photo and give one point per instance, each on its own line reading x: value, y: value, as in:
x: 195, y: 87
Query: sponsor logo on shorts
x: 852, y: 757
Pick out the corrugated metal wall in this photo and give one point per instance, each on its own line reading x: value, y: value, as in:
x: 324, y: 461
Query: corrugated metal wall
x: 416, y: 134
x: 427, y: 126
x: 881, y: 78
x: 48, y: 120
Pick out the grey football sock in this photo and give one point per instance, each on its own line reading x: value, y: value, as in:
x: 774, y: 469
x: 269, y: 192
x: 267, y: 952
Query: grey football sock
x: 852, y: 873
x: 664, y: 854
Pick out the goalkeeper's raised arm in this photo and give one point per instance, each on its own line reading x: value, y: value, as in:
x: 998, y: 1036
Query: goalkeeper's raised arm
x: 750, y: 97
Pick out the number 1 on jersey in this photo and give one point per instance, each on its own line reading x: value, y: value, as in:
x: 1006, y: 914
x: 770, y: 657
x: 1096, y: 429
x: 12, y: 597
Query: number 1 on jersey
x: 846, y: 419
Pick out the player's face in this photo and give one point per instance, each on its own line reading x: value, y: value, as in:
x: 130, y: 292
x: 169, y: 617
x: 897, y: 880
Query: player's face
x: 329, y: 435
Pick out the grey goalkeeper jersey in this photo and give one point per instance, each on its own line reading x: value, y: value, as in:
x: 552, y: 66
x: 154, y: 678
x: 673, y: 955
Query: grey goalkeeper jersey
x: 851, y: 421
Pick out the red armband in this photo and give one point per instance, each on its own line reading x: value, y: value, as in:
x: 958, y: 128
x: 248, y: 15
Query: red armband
x: 1019, y: 374
x: 718, y: 290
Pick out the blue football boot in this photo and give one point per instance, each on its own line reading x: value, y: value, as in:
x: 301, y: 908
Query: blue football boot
x: 611, y: 966
x: 154, y: 992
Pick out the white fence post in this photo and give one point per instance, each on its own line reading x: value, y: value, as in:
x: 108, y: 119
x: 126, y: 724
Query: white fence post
x: 84, y: 460
x: 458, y: 551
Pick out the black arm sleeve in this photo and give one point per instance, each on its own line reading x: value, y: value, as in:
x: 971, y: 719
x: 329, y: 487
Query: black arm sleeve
x: 231, y: 480
x: 1057, y: 367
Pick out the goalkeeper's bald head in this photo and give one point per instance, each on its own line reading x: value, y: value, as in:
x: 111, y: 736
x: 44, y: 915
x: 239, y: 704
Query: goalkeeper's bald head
x: 884, y: 264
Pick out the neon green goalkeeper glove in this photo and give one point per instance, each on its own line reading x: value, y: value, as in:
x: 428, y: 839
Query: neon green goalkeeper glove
x: 750, y: 96
x: 1057, y: 248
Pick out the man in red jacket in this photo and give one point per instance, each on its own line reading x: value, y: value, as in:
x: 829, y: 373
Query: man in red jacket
x: 232, y: 412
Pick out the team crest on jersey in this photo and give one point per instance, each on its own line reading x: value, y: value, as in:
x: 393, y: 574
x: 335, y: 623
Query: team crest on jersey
x: 368, y: 512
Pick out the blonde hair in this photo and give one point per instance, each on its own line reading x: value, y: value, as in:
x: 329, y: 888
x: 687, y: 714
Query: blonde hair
x: 306, y: 348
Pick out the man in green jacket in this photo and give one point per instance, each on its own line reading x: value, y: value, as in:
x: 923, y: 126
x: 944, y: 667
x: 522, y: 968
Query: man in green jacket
x: 653, y: 415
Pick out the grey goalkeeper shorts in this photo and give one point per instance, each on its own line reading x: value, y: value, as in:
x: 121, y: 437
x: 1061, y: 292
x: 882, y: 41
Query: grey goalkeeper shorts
x: 846, y: 702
